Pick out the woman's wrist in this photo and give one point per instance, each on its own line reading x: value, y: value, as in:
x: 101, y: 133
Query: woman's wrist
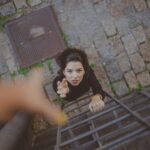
x: 97, y: 97
x: 96, y: 103
x: 63, y: 95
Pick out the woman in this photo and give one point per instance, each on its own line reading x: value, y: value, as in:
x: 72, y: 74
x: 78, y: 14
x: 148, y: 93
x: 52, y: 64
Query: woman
x: 76, y: 77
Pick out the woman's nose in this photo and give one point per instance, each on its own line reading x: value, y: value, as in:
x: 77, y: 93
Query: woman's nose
x: 75, y: 74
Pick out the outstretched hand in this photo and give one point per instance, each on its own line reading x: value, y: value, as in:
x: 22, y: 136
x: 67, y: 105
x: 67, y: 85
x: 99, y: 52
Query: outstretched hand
x: 27, y: 95
x: 62, y: 88
x: 97, y: 104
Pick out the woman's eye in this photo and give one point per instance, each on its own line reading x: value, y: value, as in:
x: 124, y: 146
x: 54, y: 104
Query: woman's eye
x: 69, y: 71
x: 79, y: 70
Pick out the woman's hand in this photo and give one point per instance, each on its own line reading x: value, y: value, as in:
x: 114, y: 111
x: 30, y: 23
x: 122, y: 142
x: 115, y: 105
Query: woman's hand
x: 62, y: 88
x: 97, y: 104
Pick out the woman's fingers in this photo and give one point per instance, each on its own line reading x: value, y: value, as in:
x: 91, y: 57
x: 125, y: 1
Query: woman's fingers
x: 58, y: 83
x: 62, y: 84
x: 96, y: 105
x: 65, y: 83
x: 62, y: 87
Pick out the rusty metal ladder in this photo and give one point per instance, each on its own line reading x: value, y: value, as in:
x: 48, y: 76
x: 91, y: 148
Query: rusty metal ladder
x: 119, y: 125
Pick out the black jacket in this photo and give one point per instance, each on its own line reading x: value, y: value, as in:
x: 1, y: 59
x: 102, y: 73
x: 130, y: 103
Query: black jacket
x: 89, y: 81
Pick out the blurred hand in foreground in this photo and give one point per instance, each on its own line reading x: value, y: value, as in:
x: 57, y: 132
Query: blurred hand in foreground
x: 28, y: 95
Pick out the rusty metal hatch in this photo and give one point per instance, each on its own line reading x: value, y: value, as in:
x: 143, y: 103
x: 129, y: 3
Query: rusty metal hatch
x: 122, y: 125
x: 35, y: 36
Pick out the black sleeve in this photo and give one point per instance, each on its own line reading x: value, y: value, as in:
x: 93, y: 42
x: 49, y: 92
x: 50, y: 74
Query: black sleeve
x: 95, y: 85
x: 55, y: 84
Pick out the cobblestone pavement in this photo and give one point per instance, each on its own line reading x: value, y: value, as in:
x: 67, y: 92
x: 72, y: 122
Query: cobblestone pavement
x: 114, y: 33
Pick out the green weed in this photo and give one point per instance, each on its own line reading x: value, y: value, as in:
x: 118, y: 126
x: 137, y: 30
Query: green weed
x: 3, y: 21
x: 23, y: 71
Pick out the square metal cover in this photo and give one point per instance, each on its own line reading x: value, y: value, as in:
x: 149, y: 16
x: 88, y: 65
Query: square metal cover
x: 35, y: 36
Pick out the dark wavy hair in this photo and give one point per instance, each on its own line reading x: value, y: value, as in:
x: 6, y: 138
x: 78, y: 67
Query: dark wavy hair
x: 72, y: 54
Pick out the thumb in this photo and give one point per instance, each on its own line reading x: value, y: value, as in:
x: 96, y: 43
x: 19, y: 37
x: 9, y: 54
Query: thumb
x: 65, y: 83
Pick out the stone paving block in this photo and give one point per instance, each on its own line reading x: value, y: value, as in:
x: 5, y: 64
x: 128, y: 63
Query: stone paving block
x: 116, y: 43
x: 101, y: 8
x: 133, y: 22
x: 85, y: 40
x: 148, y: 3
x: 122, y: 26
x: 120, y: 88
x: 5, y: 48
x: 131, y: 79
x: 144, y: 78
x: 148, y: 66
x: 73, y: 37
x: 123, y: 62
x: 47, y: 74
x: 7, y: 9
x: 50, y: 92
x: 20, y: 3
x: 93, y: 55
x: 108, y: 26
x: 130, y: 43
x: 3, y: 65
x: 33, y: 2
x: 6, y: 51
x: 137, y: 62
x: 102, y: 44
x: 116, y: 7
x: 106, y: 54
x: 144, y: 18
x: 102, y: 78
x: 130, y: 13
x: 113, y: 71
x: 87, y: 5
x: 100, y: 39
x: 147, y: 32
x: 100, y: 72
x: 63, y: 19
x: 145, y: 51
x: 4, y: 1
x: 140, y: 5
x: 12, y: 64
x: 85, y: 30
x: 6, y: 77
x: 2, y: 40
x: 96, y: 1
x: 129, y: 10
x: 54, y: 67
x: 139, y: 34
x: 58, y: 6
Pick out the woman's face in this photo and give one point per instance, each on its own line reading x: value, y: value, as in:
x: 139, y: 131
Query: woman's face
x: 74, y: 72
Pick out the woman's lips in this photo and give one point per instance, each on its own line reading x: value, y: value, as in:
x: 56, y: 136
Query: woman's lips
x: 74, y: 81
